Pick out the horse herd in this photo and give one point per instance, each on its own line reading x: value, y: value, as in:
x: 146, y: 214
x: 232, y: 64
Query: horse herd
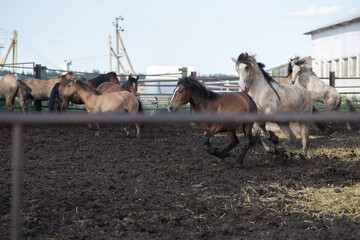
x: 260, y: 93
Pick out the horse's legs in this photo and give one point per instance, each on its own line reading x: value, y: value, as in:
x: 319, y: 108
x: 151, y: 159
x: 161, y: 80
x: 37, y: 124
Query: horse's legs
x: 290, y: 136
x: 304, y: 138
x: 210, y: 149
x: 249, y: 142
x: 65, y: 104
x: 90, y: 126
x: 9, y: 103
x: 137, y: 125
x: 234, y: 142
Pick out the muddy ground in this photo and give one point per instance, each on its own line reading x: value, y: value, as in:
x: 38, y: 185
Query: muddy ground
x: 165, y: 186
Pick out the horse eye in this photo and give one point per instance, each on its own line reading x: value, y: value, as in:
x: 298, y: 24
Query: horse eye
x: 246, y: 68
x: 181, y: 91
x: 69, y: 85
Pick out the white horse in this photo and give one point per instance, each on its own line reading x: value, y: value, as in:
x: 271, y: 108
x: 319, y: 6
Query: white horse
x: 271, y: 97
x: 318, y: 90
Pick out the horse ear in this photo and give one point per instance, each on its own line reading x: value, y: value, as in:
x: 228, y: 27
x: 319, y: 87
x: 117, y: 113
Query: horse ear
x: 234, y: 60
x: 137, y: 78
x: 187, y: 80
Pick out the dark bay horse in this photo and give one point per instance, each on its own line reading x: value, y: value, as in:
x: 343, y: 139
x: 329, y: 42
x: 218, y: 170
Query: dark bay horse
x: 11, y: 87
x: 203, y: 100
x: 97, y: 102
x: 58, y: 103
x: 131, y: 85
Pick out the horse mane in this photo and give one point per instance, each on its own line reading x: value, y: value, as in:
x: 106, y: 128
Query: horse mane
x: 196, y: 86
x: 85, y: 87
x: 101, y: 78
x: 251, y: 61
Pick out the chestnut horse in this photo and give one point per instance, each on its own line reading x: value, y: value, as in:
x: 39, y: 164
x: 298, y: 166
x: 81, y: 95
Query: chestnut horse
x: 97, y: 102
x: 11, y: 87
x: 203, y: 100
x: 64, y: 102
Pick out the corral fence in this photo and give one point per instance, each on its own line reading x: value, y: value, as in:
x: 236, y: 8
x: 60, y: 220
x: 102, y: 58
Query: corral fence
x: 151, y: 101
x: 19, y: 120
x: 158, y: 101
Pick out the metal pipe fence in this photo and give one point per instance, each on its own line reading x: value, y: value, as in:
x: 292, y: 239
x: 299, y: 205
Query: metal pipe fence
x: 19, y: 120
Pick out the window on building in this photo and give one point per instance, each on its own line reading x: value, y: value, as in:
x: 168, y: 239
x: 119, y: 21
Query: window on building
x: 328, y: 68
x: 345, y: 67
x: 352, y: 66
x: 322, y: 69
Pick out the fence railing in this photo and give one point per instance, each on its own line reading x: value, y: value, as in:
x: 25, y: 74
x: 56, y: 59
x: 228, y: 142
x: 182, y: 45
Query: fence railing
x: 18, y: 121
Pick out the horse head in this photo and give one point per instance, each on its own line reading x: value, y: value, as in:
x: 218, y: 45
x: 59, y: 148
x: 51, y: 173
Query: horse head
x: 181, y: 95
x: 68, y: 88
x: 133, y: 82
x: 245, y: 65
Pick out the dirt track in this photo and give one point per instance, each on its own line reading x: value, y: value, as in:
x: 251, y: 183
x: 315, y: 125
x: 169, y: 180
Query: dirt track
x: 165, y: 186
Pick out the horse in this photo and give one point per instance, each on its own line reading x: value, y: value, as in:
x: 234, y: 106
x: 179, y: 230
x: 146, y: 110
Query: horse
x: 55, y: 100
x: 318, y: 90
x: 41, y: 89
x: 202, y: 100
x: 131, y: 85
x: 272, y: 97
x: 11, y: 87
x: 97, y: 102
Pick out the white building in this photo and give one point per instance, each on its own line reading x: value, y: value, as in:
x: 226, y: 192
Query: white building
x: 336, y: 47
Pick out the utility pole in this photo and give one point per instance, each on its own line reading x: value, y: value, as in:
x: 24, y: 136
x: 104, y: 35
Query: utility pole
x: 110, y: 52
x: 117, y: 42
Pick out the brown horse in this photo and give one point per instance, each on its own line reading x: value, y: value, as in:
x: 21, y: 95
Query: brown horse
x: 204, y: 101
x: 97, y: 102
x: 131, y: 85
x: 60, y: 87
x: 41, y: 89
x: 11, y: 87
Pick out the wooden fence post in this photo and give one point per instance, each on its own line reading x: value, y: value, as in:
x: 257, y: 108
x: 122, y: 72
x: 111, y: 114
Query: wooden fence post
x: 332, y: 79
x: 37, y: 103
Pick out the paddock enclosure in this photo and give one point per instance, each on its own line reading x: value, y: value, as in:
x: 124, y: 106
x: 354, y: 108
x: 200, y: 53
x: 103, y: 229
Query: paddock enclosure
x: 165, y: 186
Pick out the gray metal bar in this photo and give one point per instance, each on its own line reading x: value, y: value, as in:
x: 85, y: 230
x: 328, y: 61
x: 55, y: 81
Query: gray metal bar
x: 16, y: 199
x: 81, y: 118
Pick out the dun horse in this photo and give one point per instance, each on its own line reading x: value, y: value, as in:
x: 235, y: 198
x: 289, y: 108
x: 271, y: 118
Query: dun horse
x: 60, y: 87
x: 11, y: 87
x: 271, y: 97
x: 41, y: 89
x: 97, y: 102
x: 131, y: 85
x: 189, y: 90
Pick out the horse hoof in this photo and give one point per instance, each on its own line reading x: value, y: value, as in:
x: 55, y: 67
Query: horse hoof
x: 97, y: 134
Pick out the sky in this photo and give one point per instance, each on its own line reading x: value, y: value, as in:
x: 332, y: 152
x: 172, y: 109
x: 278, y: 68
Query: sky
x: 205, y: 34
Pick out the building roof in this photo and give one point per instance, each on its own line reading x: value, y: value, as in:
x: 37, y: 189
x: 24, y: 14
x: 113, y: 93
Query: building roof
x: 336, y: 24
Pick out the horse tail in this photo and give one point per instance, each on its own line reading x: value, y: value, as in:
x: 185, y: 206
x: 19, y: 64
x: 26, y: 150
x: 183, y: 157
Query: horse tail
x: 326, y: 128
x: 54, y: 96
x: 140, y: 109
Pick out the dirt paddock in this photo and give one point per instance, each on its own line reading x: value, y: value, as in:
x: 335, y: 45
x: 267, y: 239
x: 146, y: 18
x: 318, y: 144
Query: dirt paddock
x: 165, y: 186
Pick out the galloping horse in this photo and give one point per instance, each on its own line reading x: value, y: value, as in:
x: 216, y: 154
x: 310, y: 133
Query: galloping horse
x: 202, y: 100
x: 60, y: 87
x: 10, y: 87
x: 318, y: 90
x: 131, y: 85
x: 97, y: 102
x: 271, y: 97
x: 41, y: 89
